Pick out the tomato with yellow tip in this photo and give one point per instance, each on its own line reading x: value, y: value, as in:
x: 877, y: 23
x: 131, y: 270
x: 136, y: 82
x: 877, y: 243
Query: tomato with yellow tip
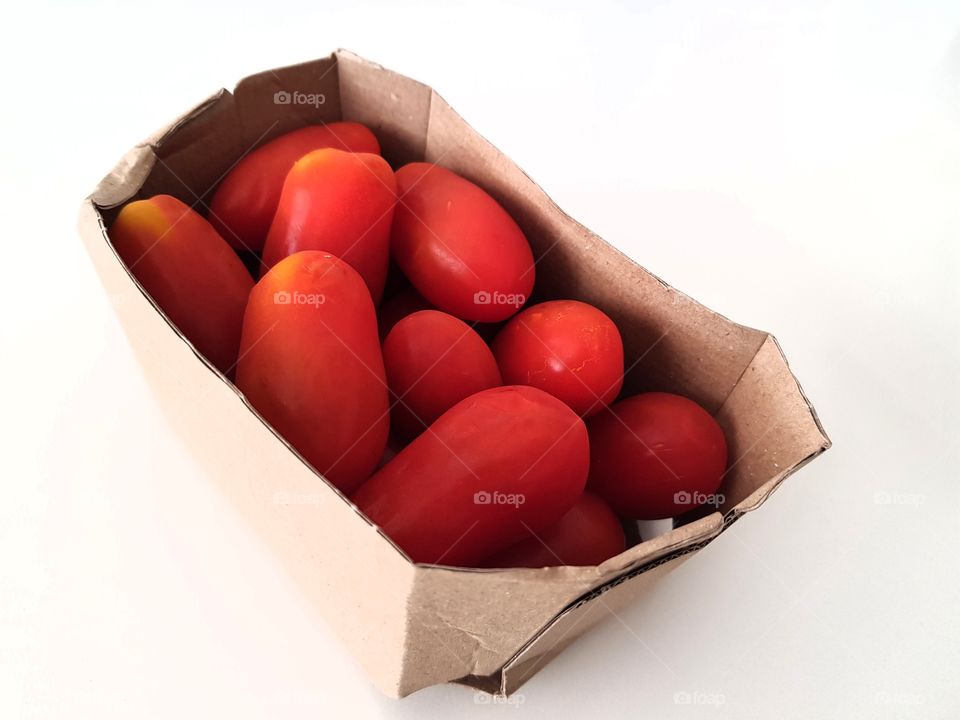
x: 341, y: 203
x: 189, y: 270
x: 245, y: 202
x: 310, y: 364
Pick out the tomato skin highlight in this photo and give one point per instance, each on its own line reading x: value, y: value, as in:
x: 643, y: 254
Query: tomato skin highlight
x: 244, y: 204
x: 655, y: 455
x: 310, y: 363
x: 189, y: 270
x: 457, y: 245
x: 568, y: 348
x: 341, y: 203
x: 433, y: 361
x: 501, y: 461
x: 588, y: 534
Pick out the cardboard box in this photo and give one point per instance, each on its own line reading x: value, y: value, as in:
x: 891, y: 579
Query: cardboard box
x: 412, y: 626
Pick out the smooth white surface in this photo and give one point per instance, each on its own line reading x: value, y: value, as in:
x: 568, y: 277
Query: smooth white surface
x: 796, y: 169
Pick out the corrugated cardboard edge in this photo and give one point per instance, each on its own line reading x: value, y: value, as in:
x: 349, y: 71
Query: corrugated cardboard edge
x: 585, y: 584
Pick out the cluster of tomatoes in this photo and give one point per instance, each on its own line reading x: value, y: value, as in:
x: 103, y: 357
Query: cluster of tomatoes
x: 476, y: 429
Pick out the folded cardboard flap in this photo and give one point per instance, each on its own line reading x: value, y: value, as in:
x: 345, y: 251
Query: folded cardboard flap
x: 603, y: 604
x: 471, y: 625
x: 434, y: 624
x: 771, y: 429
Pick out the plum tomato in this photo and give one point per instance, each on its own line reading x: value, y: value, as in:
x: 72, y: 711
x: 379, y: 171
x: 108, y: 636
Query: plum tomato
x: 245, y: 202
x: 656, y: 455
x: 458, y: 246
x: 189, y: 270
x: 587, y: 535
x: 310, y: 364
x: 568, y: 348
x: 433, y: 361
x: 341, y: 203
x: 496, y: 466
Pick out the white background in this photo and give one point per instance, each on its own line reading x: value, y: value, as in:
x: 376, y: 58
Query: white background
x: 795, y: 169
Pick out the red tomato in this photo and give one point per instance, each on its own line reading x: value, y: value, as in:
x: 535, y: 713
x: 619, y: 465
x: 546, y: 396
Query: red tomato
x: 567, y: 348
x: 433, y: 361
x: 458, y: 247
x: 191, y: 273
x: 310, y: 363
x: 341, y: 203
x: 245, y: 202
x: 587, y: 535
x: 496, y: 463
x: 406, y: 302
x: 656, y: 455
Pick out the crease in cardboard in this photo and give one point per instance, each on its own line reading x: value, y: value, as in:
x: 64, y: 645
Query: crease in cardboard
x: 828, y: 443
x: 711, y: 528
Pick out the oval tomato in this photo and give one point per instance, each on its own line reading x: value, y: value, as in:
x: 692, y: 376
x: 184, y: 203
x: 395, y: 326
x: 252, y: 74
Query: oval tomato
x: 495, y: 464
x: 433, y: 361
x: 310, y: 363
x: 656, y: 455
x: 189, y: 270
x: 568, y: 348
x: 243, y: 205
x: 587, y: 535
x: 458, y: 246
x: 341, y: 203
